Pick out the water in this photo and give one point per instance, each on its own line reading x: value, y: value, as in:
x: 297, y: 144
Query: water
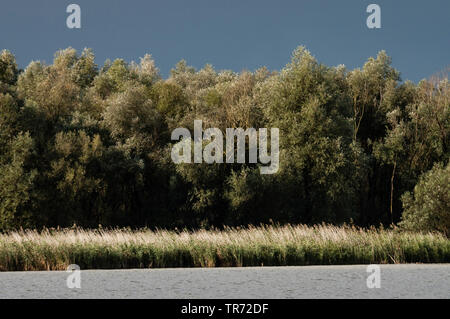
x: 397, y: 281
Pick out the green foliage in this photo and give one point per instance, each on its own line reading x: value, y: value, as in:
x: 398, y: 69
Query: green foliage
x: 88, y: 145
x: 428, y: 207
x: 16, y: 183
x: 169, y: 99
x: 418, y: 128
x: 8, y: 72
x: 56, y: 90
x: 130, y: 112
x: 306, y: 104
x: 9, y: 111
x: 74, y: 171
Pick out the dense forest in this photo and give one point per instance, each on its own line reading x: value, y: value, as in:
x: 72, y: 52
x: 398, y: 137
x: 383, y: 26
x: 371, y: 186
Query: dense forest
x: 88, y: 145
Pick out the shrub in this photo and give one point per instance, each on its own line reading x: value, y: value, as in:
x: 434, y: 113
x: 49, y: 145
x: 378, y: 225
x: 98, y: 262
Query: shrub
x: 428, y: 208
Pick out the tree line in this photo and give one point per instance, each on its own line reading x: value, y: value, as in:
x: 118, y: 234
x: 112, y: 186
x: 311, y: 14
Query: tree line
x: 88, y: 145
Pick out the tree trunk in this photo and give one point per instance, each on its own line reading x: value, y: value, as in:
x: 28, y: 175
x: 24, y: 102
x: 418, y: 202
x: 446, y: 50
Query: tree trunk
x: 392, y: 191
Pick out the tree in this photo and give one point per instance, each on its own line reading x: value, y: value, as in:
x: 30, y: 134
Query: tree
x: 55, y: 89
x: 169, y: 99
x: 306, y: 103
x: 367, y: 90
x: 428, y: 207
x: 9, y: 119
x: 131, y: 117
x: 84, y: 145
x: 417, y: 132
x: 8, y: 72
x: 16, y: 183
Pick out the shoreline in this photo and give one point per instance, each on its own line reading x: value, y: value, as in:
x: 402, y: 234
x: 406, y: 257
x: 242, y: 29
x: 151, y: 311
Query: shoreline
x: 231, y: 268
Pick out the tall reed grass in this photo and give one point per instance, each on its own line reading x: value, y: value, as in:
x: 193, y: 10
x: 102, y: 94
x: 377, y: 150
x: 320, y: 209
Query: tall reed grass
x: 252, y: 246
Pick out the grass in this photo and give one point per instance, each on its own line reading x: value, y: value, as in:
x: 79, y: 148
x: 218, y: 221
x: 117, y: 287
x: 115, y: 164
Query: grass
x: 252, y: 246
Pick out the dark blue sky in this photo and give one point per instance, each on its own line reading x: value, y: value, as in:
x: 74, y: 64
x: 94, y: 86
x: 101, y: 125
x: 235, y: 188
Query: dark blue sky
x: 233, y: 34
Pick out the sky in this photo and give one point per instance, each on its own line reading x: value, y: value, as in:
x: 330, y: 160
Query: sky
x: 233, y: 34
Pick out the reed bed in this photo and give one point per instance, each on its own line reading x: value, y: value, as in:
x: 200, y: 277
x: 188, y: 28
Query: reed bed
x: 252, y: 246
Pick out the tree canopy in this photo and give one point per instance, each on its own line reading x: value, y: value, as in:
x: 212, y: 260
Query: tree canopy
x: 89, y: 145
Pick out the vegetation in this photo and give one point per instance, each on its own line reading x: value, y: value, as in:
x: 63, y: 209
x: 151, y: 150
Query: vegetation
x: 252, y: 246
x: 428, y: 208
x: 88, y: 145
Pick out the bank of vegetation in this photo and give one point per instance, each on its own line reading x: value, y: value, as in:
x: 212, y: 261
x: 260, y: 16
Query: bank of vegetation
x: 252, y: 246
x: 87, y: 145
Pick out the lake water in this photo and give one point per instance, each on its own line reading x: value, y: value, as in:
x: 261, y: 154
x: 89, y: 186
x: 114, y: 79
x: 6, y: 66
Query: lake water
x: 397, y: 281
